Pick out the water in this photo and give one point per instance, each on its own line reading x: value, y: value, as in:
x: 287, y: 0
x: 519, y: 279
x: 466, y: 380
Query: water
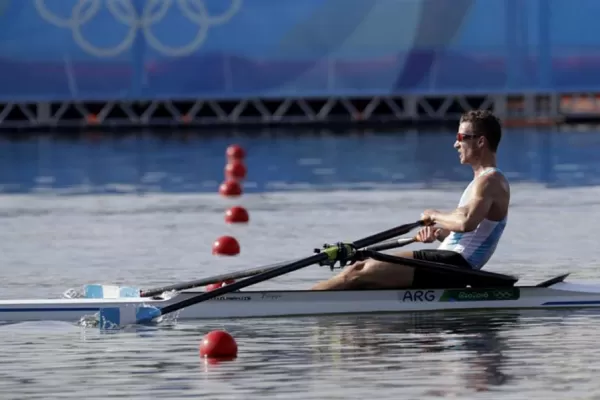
x: 144, y: 211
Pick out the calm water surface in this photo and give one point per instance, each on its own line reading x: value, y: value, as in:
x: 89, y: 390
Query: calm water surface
x: 142, y: 212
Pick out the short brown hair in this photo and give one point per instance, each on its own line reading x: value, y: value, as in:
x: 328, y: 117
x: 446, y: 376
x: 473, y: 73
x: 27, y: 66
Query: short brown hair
x: 485, y: 123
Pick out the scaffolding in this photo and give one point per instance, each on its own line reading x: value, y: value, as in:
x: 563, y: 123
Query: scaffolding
x: 535, y: 109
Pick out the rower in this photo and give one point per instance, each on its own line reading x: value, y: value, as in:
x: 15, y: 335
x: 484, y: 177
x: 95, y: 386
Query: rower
x: 469, y: 234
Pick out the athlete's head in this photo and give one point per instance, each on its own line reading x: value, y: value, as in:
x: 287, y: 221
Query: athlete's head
x: 479, y: 133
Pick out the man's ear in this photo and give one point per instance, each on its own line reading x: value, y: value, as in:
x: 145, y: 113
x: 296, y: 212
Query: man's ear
x: 481, y: 141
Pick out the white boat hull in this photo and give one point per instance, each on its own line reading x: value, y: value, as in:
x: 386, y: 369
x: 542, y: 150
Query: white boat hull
x: 253, y: 304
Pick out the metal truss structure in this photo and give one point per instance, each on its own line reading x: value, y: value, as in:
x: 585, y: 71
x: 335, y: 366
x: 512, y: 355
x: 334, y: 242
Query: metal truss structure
x: 517, y: 110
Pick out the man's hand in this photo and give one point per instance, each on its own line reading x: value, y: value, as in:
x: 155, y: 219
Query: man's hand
x: 428, y: 217
x: 428, y: 234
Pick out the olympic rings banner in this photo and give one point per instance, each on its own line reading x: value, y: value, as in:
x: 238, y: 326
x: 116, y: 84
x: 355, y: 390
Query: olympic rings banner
x: 56, y: 50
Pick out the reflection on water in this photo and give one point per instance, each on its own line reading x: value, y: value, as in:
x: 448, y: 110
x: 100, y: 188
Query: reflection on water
x: 439, y: 354
x: 444, y: 354
x: 185, y: 162
x: 431, y: 354
x: 411, y: 342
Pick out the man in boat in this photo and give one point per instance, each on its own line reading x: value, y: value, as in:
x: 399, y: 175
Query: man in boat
x: 468, y: 235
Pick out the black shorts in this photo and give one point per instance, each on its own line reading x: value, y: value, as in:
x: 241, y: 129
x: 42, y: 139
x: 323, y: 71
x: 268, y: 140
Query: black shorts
x: 428, y: 279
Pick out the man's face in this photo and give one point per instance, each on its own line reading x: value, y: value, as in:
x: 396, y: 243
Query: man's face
x: 467, y: 144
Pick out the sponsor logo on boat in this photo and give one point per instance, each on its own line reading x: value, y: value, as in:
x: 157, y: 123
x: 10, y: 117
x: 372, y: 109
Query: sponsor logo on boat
x: 417, y: 295
x: 233, y: 298
x: 480, y: 294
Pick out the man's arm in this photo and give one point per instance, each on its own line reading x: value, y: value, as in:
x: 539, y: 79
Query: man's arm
x: 442, y: 234
x: 465, y: 219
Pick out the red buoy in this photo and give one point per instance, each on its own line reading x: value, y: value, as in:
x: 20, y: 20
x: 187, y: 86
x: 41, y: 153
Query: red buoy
x: 235, y: 170
x: 226, y: 246
x: 218, y: 344
x: 230, y: 188
x: 235, y: 152
x: 214, y: 286
x: 236, y: 215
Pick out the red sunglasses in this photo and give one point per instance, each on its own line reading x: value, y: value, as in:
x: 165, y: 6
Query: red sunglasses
x: 463, y: 136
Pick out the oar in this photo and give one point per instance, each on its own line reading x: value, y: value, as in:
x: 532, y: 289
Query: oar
x: 487, y: 277
x: 100, y: 291
x: 112, y: 317
x: 392, y: 244
x: 209, y: 280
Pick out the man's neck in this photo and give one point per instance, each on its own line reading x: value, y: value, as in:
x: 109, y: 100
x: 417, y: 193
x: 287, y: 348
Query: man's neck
x: 488, y: 161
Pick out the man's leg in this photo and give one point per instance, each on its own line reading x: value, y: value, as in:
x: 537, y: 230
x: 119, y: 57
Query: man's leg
x: 371, y: 274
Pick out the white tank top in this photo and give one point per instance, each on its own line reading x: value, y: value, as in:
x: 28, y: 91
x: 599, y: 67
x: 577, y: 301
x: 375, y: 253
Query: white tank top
x: 478, y: 245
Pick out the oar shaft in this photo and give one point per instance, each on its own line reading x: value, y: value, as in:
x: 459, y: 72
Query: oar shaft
x: 385, y: 235
x: 208, y: 281
x: 275, y: 272
x: 392, y: 244
x: 266, y: 275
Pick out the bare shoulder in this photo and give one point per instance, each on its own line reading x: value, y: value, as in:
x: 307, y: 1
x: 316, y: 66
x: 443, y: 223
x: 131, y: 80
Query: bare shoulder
x: 493, y: 184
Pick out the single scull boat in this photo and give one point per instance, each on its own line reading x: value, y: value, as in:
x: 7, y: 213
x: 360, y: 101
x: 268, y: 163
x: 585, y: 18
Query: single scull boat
x: 554, y: 293
x: 116, y: 307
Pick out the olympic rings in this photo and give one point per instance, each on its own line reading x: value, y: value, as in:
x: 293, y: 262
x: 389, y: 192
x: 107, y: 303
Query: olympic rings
x: 124, y: 11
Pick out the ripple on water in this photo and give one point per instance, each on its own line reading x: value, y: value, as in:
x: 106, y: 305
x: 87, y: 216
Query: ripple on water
x: 472, y: 355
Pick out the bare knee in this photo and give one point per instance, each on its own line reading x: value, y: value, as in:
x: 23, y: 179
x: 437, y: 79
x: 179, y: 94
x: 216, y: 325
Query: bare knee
x: 372, y: 274
x: 349, y: 278
x: 359, y: 271
x: 356, y: 268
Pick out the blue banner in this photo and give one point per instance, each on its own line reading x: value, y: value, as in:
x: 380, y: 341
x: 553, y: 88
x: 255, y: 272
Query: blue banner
x: 57, y: 50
